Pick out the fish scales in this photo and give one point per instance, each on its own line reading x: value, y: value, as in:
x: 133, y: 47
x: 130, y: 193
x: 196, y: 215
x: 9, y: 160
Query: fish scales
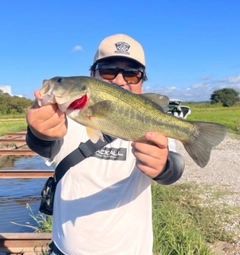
x: 129, y: 114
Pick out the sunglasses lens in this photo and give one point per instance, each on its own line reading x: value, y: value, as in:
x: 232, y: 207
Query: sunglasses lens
x: 130, y: 75
x: 108, y: 73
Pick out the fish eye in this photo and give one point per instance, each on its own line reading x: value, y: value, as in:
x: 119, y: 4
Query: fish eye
x: 59, y: 80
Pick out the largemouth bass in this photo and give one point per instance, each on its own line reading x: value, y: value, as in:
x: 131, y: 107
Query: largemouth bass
x: 106, y: 108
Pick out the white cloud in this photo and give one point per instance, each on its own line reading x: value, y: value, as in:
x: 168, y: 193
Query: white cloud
x: 205, y: 78
x: 233, y: 80
x: 199, y: 86
x: 77, y: 48
x: 201, y: 91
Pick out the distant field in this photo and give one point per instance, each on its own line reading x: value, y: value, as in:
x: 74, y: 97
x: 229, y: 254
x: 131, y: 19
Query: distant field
x: 228, y: 116
x: 12, y: 124
x: 12, y: 116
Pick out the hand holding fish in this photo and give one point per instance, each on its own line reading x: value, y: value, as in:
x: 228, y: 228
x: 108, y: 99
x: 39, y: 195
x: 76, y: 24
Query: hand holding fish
x: 151, y: 159
x: 47, y: 122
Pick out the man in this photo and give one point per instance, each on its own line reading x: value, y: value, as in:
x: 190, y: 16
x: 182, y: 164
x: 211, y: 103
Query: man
x: 103, y: 204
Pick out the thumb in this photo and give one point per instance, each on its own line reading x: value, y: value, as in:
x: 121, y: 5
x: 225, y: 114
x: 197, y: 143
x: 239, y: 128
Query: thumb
x: 35, y: 104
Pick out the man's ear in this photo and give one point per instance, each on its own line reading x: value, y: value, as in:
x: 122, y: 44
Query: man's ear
x: 92, y: 73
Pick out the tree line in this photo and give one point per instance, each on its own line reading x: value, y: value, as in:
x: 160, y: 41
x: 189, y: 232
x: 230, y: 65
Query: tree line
x: 227, y: 97
x: 13, y: 104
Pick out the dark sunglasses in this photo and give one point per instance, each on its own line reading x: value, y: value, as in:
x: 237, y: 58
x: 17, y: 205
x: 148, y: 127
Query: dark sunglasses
x: 110, y: 72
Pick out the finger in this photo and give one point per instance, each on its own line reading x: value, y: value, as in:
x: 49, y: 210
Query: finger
x: 149, y: 170
x: 40, y: 114
x: 145, y: 149
x: 57, y: 131
x: 54, y: 127
x: 37, y: 94
x: 51, y: 115
x: 58, y: 118
x: 149, y: 149
x: 147, y: 160
x: 153, y: 157
x: 35, y: 104
x: 160, y: 140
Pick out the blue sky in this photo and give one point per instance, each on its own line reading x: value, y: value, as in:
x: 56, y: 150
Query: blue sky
x: 192, y: 47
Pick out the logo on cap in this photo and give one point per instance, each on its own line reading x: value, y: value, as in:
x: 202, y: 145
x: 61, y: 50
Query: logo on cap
x: 122, y: 48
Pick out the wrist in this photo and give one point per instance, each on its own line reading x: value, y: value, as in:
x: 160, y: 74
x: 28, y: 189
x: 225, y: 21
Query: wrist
x: 173, y: 169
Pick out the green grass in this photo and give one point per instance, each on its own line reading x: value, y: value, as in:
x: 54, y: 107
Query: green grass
x: 12, y: 116
x: 185, y: 222
x: 12, y: 126
x: 12, y: 123
x: 44, y: 222
x: 228, y: 116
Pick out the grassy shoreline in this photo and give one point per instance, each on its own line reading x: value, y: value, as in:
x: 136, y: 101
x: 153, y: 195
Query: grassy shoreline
x: 12, y: 126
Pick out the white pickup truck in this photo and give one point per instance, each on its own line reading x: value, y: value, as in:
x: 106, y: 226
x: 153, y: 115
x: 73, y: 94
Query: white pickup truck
x: 178, y: 110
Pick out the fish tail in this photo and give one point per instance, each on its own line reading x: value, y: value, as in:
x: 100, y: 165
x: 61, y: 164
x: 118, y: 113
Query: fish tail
x: 205, y: 137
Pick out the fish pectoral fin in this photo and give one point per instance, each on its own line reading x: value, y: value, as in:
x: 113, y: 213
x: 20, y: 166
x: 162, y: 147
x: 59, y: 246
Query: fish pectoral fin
x: 161, y: 100
x: 100, y: 109
x: 94, y: 134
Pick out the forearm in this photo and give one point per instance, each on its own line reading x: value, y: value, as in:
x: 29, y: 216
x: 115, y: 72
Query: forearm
x: 47, y: 149
x: 173, y: 170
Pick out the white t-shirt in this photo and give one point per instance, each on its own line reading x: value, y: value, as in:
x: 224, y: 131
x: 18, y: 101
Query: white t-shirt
x: 102, y: 205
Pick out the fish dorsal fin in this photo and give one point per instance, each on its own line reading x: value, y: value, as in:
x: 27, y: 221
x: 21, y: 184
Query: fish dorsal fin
x: 158, y: 99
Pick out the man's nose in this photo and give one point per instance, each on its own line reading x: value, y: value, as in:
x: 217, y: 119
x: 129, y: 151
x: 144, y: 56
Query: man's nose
x: 119, y: 80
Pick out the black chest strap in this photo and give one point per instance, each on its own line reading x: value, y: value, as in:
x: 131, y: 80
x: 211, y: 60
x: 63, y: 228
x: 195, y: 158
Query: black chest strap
x: 83, y: 151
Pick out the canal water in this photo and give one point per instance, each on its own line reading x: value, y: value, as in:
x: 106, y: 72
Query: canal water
x: 16, y: 194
